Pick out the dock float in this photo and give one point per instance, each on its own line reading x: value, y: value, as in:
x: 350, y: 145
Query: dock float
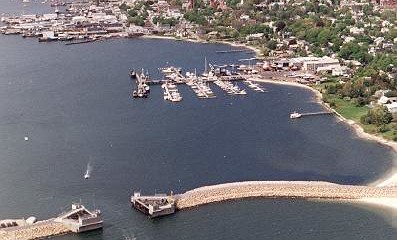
x: 171, y: 93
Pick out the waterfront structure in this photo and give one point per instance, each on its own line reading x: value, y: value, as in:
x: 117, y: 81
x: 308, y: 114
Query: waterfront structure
x: 154, y: 206
x: 281, y: 189
x: 77, y: 220
x: 160, y: 205
x: 80, y: 219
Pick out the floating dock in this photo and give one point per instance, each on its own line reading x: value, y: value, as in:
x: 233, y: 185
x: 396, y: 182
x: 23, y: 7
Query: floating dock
x: 171, y: 92
x: 201, y: 89
x: 230, y: 88
x: 77, y: 220
x: 254, y: 86
x: 154, y: 206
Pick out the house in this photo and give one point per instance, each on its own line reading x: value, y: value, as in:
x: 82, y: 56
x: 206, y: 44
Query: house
x: 356, y: 31
x: 314, y: 63
x: 392, y: 107
x: 383, y: 100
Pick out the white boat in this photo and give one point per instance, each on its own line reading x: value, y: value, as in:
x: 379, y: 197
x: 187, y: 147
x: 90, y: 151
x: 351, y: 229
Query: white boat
x: 88, y: 171
x: 295, y: 115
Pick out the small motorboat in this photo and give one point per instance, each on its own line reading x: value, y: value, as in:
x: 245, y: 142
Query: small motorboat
x: 295, y: 115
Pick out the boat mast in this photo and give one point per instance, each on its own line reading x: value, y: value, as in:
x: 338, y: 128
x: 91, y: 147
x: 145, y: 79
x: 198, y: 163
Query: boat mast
x: 205, y: 65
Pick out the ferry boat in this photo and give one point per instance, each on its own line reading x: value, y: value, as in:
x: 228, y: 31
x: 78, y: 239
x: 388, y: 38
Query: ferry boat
x: 295, y: 115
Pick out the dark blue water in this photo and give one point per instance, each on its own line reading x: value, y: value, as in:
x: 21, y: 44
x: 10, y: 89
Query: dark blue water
x: 74, y: 104
x: 17, y: 7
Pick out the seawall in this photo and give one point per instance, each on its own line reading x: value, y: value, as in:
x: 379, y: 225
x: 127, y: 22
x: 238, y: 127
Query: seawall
x: 39, y: 230
x: 280, y: 189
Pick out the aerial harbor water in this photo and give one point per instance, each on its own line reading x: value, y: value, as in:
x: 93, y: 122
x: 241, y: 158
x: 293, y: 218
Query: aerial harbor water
x: 63, y: 108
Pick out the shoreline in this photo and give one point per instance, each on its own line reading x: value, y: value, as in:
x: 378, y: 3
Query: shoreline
x: 388, y: 179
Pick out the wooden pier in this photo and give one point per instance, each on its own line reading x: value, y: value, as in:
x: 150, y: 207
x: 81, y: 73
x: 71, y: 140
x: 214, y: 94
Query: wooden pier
x: 316, y: 113
x: 233, y: 51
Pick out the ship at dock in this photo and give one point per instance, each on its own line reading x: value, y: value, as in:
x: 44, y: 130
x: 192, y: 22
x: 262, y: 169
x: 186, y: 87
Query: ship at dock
x: 154, y: 206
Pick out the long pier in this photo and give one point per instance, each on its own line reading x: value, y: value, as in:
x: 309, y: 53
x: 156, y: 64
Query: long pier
x: 316, y: 113
x: 233, y: 51
x: 280, y: 189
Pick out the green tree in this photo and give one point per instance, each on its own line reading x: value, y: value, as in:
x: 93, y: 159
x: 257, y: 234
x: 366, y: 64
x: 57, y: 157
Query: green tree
x: 272, y: 45
x: 378, y: 115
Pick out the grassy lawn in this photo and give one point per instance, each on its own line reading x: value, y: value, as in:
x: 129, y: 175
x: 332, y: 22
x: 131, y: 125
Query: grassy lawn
x: 352, y: 112
x: 349, y: 110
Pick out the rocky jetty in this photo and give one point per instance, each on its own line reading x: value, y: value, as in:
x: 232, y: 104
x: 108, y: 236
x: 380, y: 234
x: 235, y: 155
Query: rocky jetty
x: 280, y: 189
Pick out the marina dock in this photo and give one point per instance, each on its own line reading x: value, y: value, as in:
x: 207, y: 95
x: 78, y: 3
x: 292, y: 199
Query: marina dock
x: 230, y: 88
x: 171, y: 92
x: 200, y: 85
x: 200, y: 88
x: 142, y: 88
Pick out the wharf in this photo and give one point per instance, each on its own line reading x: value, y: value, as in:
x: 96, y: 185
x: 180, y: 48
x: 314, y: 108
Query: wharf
x: 142, y: 89
x: 80, y: 42
x: 296, y: 115
x: 316, y: 113
x: 200, y: 85
x: 154, y: 206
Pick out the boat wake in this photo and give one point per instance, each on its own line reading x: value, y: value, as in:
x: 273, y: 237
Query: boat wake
x: 88, y: 171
